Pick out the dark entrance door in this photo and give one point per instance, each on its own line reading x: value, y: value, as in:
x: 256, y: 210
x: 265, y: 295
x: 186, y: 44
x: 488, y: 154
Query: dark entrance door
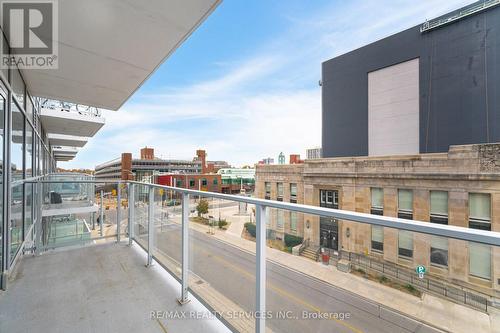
x: 329, y: 230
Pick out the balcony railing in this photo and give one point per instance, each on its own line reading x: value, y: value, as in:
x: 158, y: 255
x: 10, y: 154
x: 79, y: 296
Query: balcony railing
x: 69, y: 107
x: 253, y: 287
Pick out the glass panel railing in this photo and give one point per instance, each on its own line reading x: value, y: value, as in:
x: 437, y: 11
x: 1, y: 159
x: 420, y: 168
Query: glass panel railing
x: 323, y: 274
x: 141, y: 212
x: 221, y: 263
x: 350, y: 276
x: 28, y: 207
x: 167, y: 231
x: 16, y: 219
x: 79, y: 212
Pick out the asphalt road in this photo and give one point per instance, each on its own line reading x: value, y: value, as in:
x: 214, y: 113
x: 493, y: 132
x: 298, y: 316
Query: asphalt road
x: 231, y: 272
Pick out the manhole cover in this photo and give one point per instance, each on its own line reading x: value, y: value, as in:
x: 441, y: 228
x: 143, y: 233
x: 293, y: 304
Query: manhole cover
x: 199, y: 282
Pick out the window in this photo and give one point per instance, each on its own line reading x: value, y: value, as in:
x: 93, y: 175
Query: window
x: 439, y: 207
x: 323, y: 197
x: 439, y: 251
x: 17, y: 85
x: 191, y: 183
x: 377, y: 238
x: 268, y: 190
x: 204, y: 182
x: 29, y: 107
x: 293, y: 221
x: 178, y: 183
x: 329, y: 198
x: 279, y: 188
x: 280, y: 220
x: 405, y: 204
x: 480, y: 211
x: 293, y: 193
x: 480, y: 260
x: 215, y: 181
x: 377, y: 201
x: 18, y: 172
x: 17, y: 146
x: 28, y: 150
x: 405, y: 243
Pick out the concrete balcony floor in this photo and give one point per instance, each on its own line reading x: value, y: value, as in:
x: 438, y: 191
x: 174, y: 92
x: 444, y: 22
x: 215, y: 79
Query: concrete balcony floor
x: 100, y: 288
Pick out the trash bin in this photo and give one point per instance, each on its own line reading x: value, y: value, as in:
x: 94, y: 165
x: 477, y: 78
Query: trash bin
x: 325, y: 258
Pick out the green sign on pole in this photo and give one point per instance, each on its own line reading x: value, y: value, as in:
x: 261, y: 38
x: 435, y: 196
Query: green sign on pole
x: 420, y: 271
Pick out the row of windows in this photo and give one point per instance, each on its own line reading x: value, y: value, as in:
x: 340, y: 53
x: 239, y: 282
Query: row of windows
x: 280, y: 191
x: 192, y: 182
x: 238, y: 181
x: 479, y: 218
x: 479, y: 255
x: 479, y: 207
x: 280, y: 219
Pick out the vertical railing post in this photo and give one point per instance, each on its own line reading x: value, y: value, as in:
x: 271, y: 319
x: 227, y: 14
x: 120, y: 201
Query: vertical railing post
x: 118, y: 211
x: 131, y: 207
x: 260, y: 277
x: 185, y: 249
x: 101, y: 214
x: 151, y: 225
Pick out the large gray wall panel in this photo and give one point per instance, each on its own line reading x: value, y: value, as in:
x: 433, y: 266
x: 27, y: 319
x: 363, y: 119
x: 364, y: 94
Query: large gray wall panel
x: 459, y: 86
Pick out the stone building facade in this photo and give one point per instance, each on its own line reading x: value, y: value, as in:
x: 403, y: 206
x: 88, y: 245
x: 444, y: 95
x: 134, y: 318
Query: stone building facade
x: 459, y: 188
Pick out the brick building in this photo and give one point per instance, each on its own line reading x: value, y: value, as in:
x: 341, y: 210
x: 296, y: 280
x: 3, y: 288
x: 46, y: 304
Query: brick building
x: 202, y: 182
x: 459, y: 188
x: 148, y: 165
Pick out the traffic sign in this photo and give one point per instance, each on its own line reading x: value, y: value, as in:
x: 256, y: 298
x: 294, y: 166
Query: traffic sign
x: 420, y: 271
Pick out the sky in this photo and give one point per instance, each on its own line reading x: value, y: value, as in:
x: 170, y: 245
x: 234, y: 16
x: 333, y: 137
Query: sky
x: 244, y: 86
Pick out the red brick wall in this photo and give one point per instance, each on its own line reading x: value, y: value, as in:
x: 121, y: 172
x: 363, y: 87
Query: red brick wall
x: 126, y: 172
x: 147, y: 153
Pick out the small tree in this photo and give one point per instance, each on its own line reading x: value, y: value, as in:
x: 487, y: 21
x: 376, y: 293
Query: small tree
x: 202, y: 207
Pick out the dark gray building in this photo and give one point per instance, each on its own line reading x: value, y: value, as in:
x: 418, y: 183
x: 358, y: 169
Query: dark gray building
x: 418, y: 91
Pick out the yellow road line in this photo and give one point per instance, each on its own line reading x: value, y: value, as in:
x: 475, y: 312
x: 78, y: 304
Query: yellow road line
x: 161, y: 325
x: 280, y: 290
x: 287, y: 294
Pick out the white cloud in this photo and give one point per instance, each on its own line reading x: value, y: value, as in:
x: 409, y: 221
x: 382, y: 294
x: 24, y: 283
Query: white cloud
x: 262, y: 103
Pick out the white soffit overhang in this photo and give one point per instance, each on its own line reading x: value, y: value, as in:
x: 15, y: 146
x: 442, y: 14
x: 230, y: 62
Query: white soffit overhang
x: 64, y: 158
x: 64, y: 150
x: 108, y: 48
x: 67, y: 140
x: 70, y: 123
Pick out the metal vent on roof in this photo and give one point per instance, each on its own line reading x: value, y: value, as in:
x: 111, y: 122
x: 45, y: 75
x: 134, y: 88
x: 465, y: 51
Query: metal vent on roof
x: 467, y: 11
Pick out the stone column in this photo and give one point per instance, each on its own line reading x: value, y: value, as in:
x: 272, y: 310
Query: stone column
x: 421, y: 242
x: 362, y: 230
x: 390, y: 234
x: 458, y: 256
x: 347, y: 197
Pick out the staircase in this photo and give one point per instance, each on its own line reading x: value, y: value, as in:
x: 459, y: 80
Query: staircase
x: 311, y: 253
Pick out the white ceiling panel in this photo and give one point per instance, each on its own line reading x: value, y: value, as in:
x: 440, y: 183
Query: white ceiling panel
x: 108, y: 48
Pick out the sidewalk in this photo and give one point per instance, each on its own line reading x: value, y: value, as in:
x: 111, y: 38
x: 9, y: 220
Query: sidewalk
x: 432, y: 310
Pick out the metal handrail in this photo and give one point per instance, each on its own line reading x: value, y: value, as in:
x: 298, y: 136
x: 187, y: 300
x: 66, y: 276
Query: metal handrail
x: 469, y: 10
x: 70, y: 107
x: 448, y: 231
x: 304, y: 245
x: 261, y: 217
